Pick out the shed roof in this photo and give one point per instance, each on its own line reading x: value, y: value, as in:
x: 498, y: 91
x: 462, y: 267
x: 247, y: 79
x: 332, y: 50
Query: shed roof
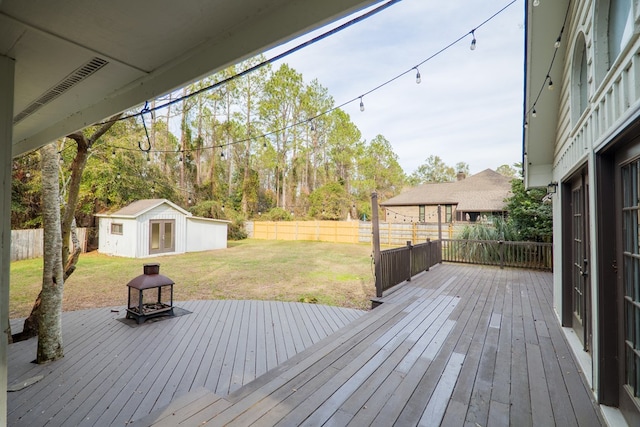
x: 140, y: 207
x: 485, y: 191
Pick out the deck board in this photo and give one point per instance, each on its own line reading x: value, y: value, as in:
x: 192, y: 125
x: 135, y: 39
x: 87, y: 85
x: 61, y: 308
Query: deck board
x: 94, y: 384
x: 458, y: 345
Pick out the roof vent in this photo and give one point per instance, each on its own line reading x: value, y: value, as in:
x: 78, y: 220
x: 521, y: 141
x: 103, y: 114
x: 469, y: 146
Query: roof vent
x: 67, y: 83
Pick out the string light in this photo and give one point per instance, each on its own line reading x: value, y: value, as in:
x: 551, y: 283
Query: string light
x: 549, y: 83
x: 418, y: 78
x: 222, y: 154
x: 536, y: 3
x: 296, y: 48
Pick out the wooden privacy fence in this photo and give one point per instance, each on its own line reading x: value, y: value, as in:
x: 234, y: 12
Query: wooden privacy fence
x: 391, y: 234
x: 401, y: 264
x: 27, y: 244
x: 533, y: 255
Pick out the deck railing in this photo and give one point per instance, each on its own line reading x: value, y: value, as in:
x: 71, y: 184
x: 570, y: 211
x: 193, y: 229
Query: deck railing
x: 533, y: 255
x: 401, y: 264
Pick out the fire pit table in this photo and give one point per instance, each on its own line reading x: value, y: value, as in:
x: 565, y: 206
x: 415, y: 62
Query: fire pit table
x: 150, y: 295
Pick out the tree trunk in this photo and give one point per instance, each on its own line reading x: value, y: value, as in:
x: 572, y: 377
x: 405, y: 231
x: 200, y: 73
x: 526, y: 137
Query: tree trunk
x: 66, y: 225
x: 50, y: 311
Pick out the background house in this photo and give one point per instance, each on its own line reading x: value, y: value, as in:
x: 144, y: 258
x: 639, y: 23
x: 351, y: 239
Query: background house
x: 157, y: 226
x: 467, y: 199
x: 581, y: 139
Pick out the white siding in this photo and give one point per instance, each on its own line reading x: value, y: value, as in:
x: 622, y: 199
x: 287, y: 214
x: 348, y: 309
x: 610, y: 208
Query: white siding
x: 204, y: 235
x: 163, y: 211
x: 115, y: 244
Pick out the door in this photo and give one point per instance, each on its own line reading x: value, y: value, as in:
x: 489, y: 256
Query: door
x: 628, y: 210
x: 161, y: 236
x: 580, y: 282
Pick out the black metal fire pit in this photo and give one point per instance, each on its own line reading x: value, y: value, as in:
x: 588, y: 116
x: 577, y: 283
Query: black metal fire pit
x: 150, y: 295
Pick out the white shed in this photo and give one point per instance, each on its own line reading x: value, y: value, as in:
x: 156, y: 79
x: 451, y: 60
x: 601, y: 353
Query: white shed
x: 156, y: 227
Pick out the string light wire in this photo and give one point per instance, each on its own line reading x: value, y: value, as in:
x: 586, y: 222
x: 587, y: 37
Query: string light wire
x: 295, y: 49
x: 547, y: 79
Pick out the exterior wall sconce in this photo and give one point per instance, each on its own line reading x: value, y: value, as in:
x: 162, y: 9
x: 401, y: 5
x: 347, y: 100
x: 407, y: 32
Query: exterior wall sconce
x: 552, y: 187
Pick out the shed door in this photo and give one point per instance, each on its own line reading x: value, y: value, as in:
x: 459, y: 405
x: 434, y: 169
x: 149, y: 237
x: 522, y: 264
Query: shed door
x: 162, y: 236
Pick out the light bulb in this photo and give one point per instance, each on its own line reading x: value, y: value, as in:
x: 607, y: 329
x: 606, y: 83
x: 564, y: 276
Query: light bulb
x: 473, y: 44
x: 148, y: 157
x: 190, y: 201
x: 526, y: 124
x: 361, y: 104
x: 418, y: 77
x: 222, y: 154
x: 533, y: 113
x: 550, y: 85
x: 536, y: 3
x: 557, y: 43
x: 118, y: 176
x: 28, y: 174
x: 113, y: 154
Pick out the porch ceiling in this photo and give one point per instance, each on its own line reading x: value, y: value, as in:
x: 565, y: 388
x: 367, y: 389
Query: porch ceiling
x: 543, y: 24
x: 80, y: 61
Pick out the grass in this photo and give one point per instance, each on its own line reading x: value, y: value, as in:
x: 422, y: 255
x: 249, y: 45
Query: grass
x: 326, y: 273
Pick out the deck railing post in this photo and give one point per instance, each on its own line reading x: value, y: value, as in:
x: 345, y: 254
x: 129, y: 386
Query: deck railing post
x: 501, y: 246
x: 410, y: 247
x: 376, y: 243
x: 429, y: 254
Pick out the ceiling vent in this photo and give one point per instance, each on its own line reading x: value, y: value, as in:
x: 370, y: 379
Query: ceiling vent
x: 67, y: 83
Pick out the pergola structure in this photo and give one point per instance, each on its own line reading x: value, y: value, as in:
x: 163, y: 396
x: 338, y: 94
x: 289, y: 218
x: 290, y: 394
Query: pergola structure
x: 66, y: 64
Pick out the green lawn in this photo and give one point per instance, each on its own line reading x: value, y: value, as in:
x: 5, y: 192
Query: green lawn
x: 327, y: 273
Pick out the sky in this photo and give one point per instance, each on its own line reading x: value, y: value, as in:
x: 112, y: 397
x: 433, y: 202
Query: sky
x: 468, y: 107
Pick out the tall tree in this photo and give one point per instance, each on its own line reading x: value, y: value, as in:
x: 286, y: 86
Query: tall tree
x: 280, y: 110
x: 508, y: 171
x: 49, y: 323
x: 68, y: 257
x: 379, y: 170
x: 434, y: 169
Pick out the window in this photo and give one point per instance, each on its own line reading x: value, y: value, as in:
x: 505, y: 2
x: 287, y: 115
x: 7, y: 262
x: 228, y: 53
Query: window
x: 579, y: 80
x: 620, y: 27
x: 448, y: 213
x: 421, y: 213
x: 613, y: 30
x: 631, y: 276
x: 116, y: 228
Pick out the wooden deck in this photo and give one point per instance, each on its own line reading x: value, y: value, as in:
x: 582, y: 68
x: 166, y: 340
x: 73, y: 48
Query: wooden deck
x: 461, y: 345
x: 114, y: 371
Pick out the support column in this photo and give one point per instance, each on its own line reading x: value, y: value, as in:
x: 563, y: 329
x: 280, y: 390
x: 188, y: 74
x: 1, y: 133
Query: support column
x: 6, y: 131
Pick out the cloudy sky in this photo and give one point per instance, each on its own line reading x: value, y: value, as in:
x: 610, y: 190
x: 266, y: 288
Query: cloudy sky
x: 468, y: 107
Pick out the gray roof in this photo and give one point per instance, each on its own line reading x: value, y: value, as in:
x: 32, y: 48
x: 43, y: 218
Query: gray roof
x: 139, y: 207
x: 482, y: 192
